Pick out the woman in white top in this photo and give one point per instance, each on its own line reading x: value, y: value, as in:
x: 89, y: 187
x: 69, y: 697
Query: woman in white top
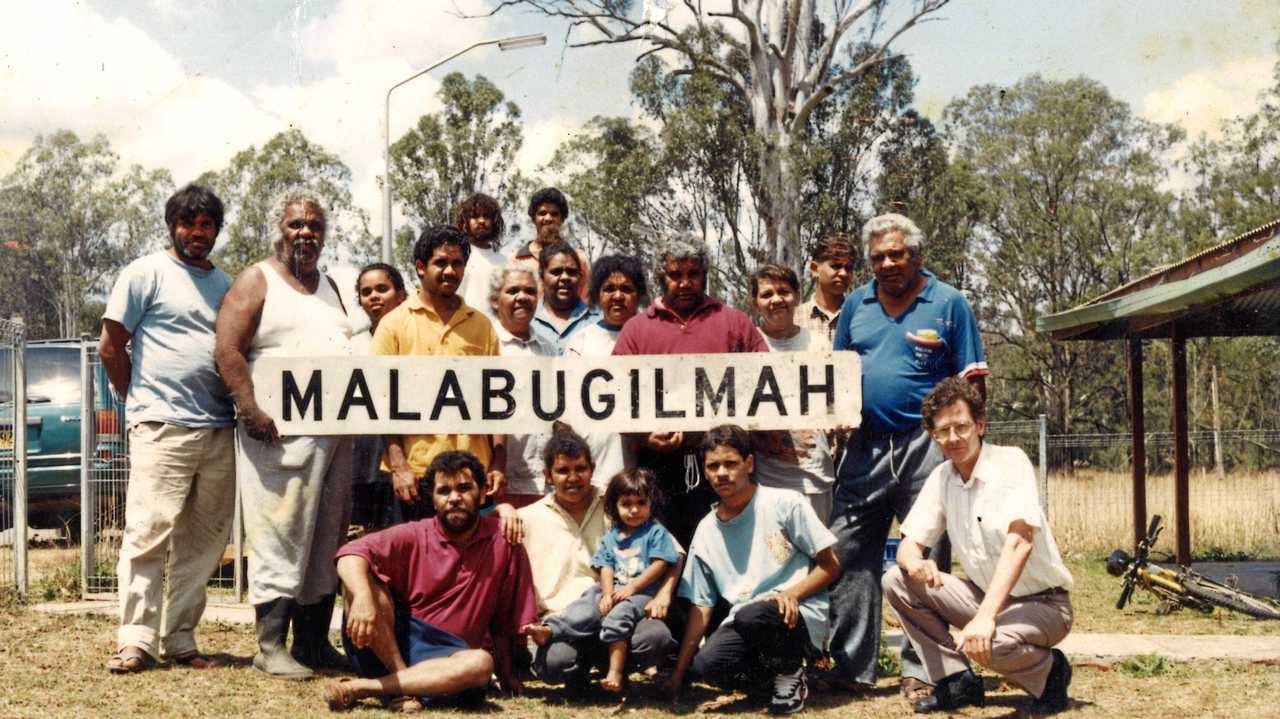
x: 799, y: 460
x: 379, y: 289
x: 513, y: 298
x: 619, y: 289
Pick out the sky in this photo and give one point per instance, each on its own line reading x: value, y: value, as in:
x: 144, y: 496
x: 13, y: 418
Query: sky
x: 185, y: 84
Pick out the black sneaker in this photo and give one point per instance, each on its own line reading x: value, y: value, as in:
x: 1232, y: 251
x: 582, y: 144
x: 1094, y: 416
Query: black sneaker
x: 789, y: 692
x: 1054, y: 697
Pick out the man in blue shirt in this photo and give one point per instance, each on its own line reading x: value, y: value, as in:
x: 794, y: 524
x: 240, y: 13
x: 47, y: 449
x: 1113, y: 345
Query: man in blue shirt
x: 181, y: 451
x: 764, y: 552
x: 911, y: 331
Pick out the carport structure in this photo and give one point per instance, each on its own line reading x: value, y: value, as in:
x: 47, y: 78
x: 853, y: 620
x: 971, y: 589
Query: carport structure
x: 1231, y: 290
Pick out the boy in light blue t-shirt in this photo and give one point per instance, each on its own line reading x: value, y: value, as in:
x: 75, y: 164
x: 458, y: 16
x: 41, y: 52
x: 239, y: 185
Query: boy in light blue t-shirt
x: 764, y: 552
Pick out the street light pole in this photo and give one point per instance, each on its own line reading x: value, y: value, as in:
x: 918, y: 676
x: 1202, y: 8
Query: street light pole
x: 509, y: 43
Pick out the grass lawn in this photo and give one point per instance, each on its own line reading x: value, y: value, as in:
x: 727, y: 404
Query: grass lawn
x: 52, y: 666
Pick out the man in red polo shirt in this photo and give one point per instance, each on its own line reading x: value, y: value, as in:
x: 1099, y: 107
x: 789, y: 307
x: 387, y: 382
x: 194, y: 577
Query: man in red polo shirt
x: 423, y: 597
x: 685, y: 320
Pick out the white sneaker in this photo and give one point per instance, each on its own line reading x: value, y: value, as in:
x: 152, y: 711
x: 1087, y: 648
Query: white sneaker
x: 789, y: 692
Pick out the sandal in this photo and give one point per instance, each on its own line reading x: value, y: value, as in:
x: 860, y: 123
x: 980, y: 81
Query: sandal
x: 831, y: 681
x: 913, y: 690
x: 404, y: 705
x: 130, y: 660
x: 196, y: 660
x: 339, y: 695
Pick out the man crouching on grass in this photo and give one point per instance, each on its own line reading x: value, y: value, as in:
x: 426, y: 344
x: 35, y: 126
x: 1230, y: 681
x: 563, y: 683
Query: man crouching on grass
x: 765, y: 552
x: 422, y: 597
x: 1015, y: 604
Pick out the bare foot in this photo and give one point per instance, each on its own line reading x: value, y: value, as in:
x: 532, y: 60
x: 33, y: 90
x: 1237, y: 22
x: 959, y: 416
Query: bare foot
x: 612, y: 682
x: 539, y: 633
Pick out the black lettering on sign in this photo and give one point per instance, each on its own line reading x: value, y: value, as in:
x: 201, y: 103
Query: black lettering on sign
x: 450, y: 395
x: 774, y: 395
x: 491, y: 392
x: 395, y: 400
x: 635, y: 394
x: 537, y: 397
x: 357, y: 395
x: 828, y: 388
x: 658, y: 394
x: 724, y: 393
x: 605, y: 399
x: 302, y: 400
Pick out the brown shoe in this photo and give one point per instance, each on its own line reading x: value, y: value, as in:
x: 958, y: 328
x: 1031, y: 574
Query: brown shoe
x: 913, y: 690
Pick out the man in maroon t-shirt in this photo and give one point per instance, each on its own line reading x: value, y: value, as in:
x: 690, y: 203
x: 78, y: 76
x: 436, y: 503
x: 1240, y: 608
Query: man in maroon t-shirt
x: 422, y: 598
x: 685, y: 320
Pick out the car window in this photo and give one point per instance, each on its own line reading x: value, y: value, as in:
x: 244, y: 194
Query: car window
x: 53, y: 375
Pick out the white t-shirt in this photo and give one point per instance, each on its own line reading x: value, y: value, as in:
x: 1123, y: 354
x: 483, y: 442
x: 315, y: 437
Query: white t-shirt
x: 474, y: 288
x: 803, y: 462
x: 524, y: 451
x: 608, y: 451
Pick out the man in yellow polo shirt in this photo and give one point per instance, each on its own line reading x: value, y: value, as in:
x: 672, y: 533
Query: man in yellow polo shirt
x: 435, y: 321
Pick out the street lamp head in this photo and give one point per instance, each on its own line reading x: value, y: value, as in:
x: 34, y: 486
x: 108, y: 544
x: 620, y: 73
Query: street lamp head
x: 520, y: 42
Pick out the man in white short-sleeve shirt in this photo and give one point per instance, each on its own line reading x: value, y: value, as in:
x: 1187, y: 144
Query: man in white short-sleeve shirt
x: 1016, y: 603
x: 157, y: 349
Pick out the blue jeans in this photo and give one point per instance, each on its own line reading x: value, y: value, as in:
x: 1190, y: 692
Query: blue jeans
x: 878, y: 480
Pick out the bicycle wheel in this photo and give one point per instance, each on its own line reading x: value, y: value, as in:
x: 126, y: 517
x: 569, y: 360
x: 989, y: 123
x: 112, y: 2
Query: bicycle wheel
x: 1228, y: 598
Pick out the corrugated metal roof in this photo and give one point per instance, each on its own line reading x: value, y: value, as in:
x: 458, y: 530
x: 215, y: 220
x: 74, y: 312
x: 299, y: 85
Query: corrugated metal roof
x: 1230, y: 289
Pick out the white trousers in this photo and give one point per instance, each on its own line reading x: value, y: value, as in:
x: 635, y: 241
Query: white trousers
x: 297, y: 505
x: 177, y: 521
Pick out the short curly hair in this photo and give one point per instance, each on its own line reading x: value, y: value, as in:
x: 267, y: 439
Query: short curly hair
x: 948, y: 392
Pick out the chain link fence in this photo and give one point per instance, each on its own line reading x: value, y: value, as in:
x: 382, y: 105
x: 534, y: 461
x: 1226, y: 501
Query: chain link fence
x: 1087, y: 486
x: 13, y: 456
x: 105, y: 484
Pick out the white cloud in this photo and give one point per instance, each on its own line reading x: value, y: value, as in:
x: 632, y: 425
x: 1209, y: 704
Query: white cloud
x: 1199, y: 101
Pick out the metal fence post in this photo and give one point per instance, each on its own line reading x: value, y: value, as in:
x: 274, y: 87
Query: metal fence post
x: 1044, y: 465
x: 88, y: 418
x: 20, y: 456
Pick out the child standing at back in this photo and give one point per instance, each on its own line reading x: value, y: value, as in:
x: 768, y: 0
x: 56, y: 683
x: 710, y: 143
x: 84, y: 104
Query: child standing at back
x: 632, y: 557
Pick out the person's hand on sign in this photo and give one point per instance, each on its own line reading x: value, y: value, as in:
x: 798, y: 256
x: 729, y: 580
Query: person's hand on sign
x: 664, y: 441
x: 259, y: 425
x: 405, y: 484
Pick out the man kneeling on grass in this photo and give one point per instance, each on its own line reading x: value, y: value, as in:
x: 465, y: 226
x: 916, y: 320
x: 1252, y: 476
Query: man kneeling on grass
x: 422, y: 597
x: 766, y: 553
x: 1015, y: 603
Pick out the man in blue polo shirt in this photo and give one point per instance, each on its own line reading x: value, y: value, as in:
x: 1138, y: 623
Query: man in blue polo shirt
x: 911, y: 331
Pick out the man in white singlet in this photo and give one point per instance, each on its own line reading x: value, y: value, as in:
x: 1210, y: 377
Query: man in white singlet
x: 296, y: 490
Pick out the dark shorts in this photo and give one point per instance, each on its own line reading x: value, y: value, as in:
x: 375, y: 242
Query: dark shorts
x: 418, y: 642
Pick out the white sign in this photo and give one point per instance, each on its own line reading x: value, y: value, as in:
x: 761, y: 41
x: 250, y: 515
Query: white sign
x: 509, y: 395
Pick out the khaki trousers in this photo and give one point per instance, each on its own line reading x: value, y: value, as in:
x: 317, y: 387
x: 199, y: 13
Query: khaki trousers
x: 177, y: 522
x: 1025, y: 629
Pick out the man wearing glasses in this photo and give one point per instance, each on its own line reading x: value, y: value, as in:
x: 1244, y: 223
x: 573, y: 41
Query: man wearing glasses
x: 1014, y: 603
x: 911, y: 331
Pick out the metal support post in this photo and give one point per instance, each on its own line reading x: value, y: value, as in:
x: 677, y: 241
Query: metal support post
x: 87, y: 419
x: 20, y: 460
x: 1044, y: 465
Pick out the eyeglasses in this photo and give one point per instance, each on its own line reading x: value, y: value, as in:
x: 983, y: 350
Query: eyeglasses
x: 963, y: 430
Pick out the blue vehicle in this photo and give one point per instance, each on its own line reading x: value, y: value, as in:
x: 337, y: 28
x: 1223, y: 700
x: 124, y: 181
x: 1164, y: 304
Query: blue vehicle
x: 53, y: 429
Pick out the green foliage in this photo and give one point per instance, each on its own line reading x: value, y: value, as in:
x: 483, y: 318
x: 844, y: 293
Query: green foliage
x: 1145, y: 666
x: 70, y: 218
x: 1215, y: 553
x: 252, y: 183
x: 60, y: 585
x: 1066, y: 184
x: 470, y: 146
x: 887, y: 664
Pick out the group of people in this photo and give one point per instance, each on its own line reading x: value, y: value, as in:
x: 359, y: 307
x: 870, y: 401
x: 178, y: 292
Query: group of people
x: 745, y: 559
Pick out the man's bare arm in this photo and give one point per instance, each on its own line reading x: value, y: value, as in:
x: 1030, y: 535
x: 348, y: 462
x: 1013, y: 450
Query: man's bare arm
x: 237, y: 324
x: 362, y: 615
x: 115, y: 356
